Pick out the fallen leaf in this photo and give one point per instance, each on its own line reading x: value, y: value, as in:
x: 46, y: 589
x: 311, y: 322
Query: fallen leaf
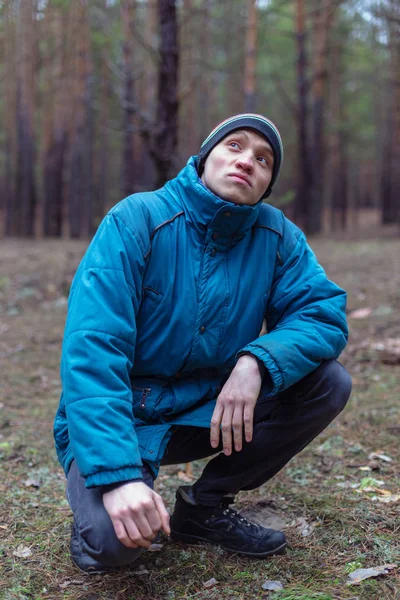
x: 304, y: 528
x: 60, y: 302
x: 187, y: 478
x: 155, y: 548
x: 273, y: 586
x: 383, y: 310
x: 368, y: 483
x: 389, y: 499
x: 210, y: 583
x: 384, y: 492
x: 369, y: 489
x: 22, y: 551
x: 32, y: 483
x: 68, y: 582
x: 366, y: 468
x: 11, y: 351
x: 141, y: 570
x: 380, y: 456
x: 389, y: 350
x: 348, y: 485
x: 360, y: 574
x: 360, y: 313
x: 64, y: 585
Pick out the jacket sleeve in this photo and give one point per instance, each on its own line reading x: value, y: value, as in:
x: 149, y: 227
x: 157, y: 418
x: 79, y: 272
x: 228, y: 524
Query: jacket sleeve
x: 98, y: 354
x: 305, y: 315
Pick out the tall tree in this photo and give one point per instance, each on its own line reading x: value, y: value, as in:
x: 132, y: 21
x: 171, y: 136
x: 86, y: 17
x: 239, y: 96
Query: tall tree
x: 164, y: 136
x: 251, y: 54
x: 102, y: 166
x: 8, y: 187
x: 304, y: 168
x: 25, y: 163
x: 390, y: 184
x: 148, y: 88
x: 234, y: 23
x: 339, y: 146
x: 188, y: 79
x: 55, y: 134
x: 80, y: 160
x: 208, y: 85
x: 324, y: 11
x: 129, y: 109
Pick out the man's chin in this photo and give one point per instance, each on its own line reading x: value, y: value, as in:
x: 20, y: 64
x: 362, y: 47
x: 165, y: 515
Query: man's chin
x: 233, y: 195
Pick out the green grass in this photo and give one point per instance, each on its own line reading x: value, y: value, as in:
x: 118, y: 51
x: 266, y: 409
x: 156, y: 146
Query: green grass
x: 326, y: 484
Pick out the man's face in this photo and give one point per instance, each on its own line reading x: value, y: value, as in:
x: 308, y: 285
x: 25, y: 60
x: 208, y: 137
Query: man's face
x: 239, y: 168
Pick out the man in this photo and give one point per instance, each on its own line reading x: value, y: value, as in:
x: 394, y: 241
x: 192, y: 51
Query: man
x: 163, y: 361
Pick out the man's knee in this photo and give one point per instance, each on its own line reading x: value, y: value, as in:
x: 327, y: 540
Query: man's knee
x: 100, y: 543
x: 93, y: 536
x: 337, y: 384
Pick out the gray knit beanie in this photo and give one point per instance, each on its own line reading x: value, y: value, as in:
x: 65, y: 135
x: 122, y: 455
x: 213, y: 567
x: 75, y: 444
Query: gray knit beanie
x: 258, y: 123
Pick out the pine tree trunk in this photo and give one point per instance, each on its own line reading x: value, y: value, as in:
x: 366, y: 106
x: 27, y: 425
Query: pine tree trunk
x: 80, y: 159
x: 128, y: 14
x: 394, y: 41
x: 250, y: 62
x: 56, y: 137
x: 148, y: 91
x: 165, y: 140
x: 25, y: 164
x: 235, y: 56
x: 304, y: 180
x: 186, y: 77
x: 9, y: 197
x: 324, y: 12
x: 338, y: 162
x: 207, y: 88
x: 102, y: 175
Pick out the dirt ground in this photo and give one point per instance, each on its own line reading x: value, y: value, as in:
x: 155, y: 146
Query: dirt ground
x: 338, y: 501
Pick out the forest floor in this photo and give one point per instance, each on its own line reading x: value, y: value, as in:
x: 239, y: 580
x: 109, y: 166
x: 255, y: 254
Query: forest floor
x: 338, y: 501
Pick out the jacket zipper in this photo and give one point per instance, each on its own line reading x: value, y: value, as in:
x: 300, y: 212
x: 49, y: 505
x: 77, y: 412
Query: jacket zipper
x: 145, y: 393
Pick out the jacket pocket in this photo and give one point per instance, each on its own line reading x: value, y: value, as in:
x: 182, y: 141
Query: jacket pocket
x: 191, y: 392
x: 151, y: 398
x: 264, y: 301
x: 151, y: 298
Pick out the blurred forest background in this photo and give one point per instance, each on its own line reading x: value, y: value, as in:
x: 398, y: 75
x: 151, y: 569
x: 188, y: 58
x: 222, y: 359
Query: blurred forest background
x: 102, y: 98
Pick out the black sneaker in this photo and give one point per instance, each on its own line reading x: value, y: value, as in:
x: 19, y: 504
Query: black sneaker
x: 192, y: 523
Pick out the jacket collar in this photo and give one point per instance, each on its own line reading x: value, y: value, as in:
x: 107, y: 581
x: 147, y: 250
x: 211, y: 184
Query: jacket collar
x: 225, y: 223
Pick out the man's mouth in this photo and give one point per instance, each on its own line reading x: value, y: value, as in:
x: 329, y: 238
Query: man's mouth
x: 241, y: 178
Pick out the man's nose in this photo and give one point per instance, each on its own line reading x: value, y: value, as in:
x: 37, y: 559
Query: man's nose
x: 245, y: 160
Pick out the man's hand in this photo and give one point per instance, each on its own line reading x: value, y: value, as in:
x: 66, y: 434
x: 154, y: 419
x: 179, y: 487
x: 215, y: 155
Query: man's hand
x: 137, y: 514
x: 235, y: 405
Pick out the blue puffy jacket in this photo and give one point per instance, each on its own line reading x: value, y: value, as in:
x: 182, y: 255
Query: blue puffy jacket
x: 174, y: 285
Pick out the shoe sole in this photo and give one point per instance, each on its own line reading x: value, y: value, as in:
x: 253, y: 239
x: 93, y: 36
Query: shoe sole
x: 193, y: 540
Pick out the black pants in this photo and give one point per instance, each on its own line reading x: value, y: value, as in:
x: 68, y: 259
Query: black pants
x: 283, y: 426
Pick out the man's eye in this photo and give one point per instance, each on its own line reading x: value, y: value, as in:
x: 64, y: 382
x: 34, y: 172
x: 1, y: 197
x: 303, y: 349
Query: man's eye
x: 233, y: 144
x: 263, y: 160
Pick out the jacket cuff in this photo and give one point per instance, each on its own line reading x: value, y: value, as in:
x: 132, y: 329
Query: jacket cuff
x: 274, y: 383
x: 261, y: 365
x: 114, y: 486
x: 117, y: 476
